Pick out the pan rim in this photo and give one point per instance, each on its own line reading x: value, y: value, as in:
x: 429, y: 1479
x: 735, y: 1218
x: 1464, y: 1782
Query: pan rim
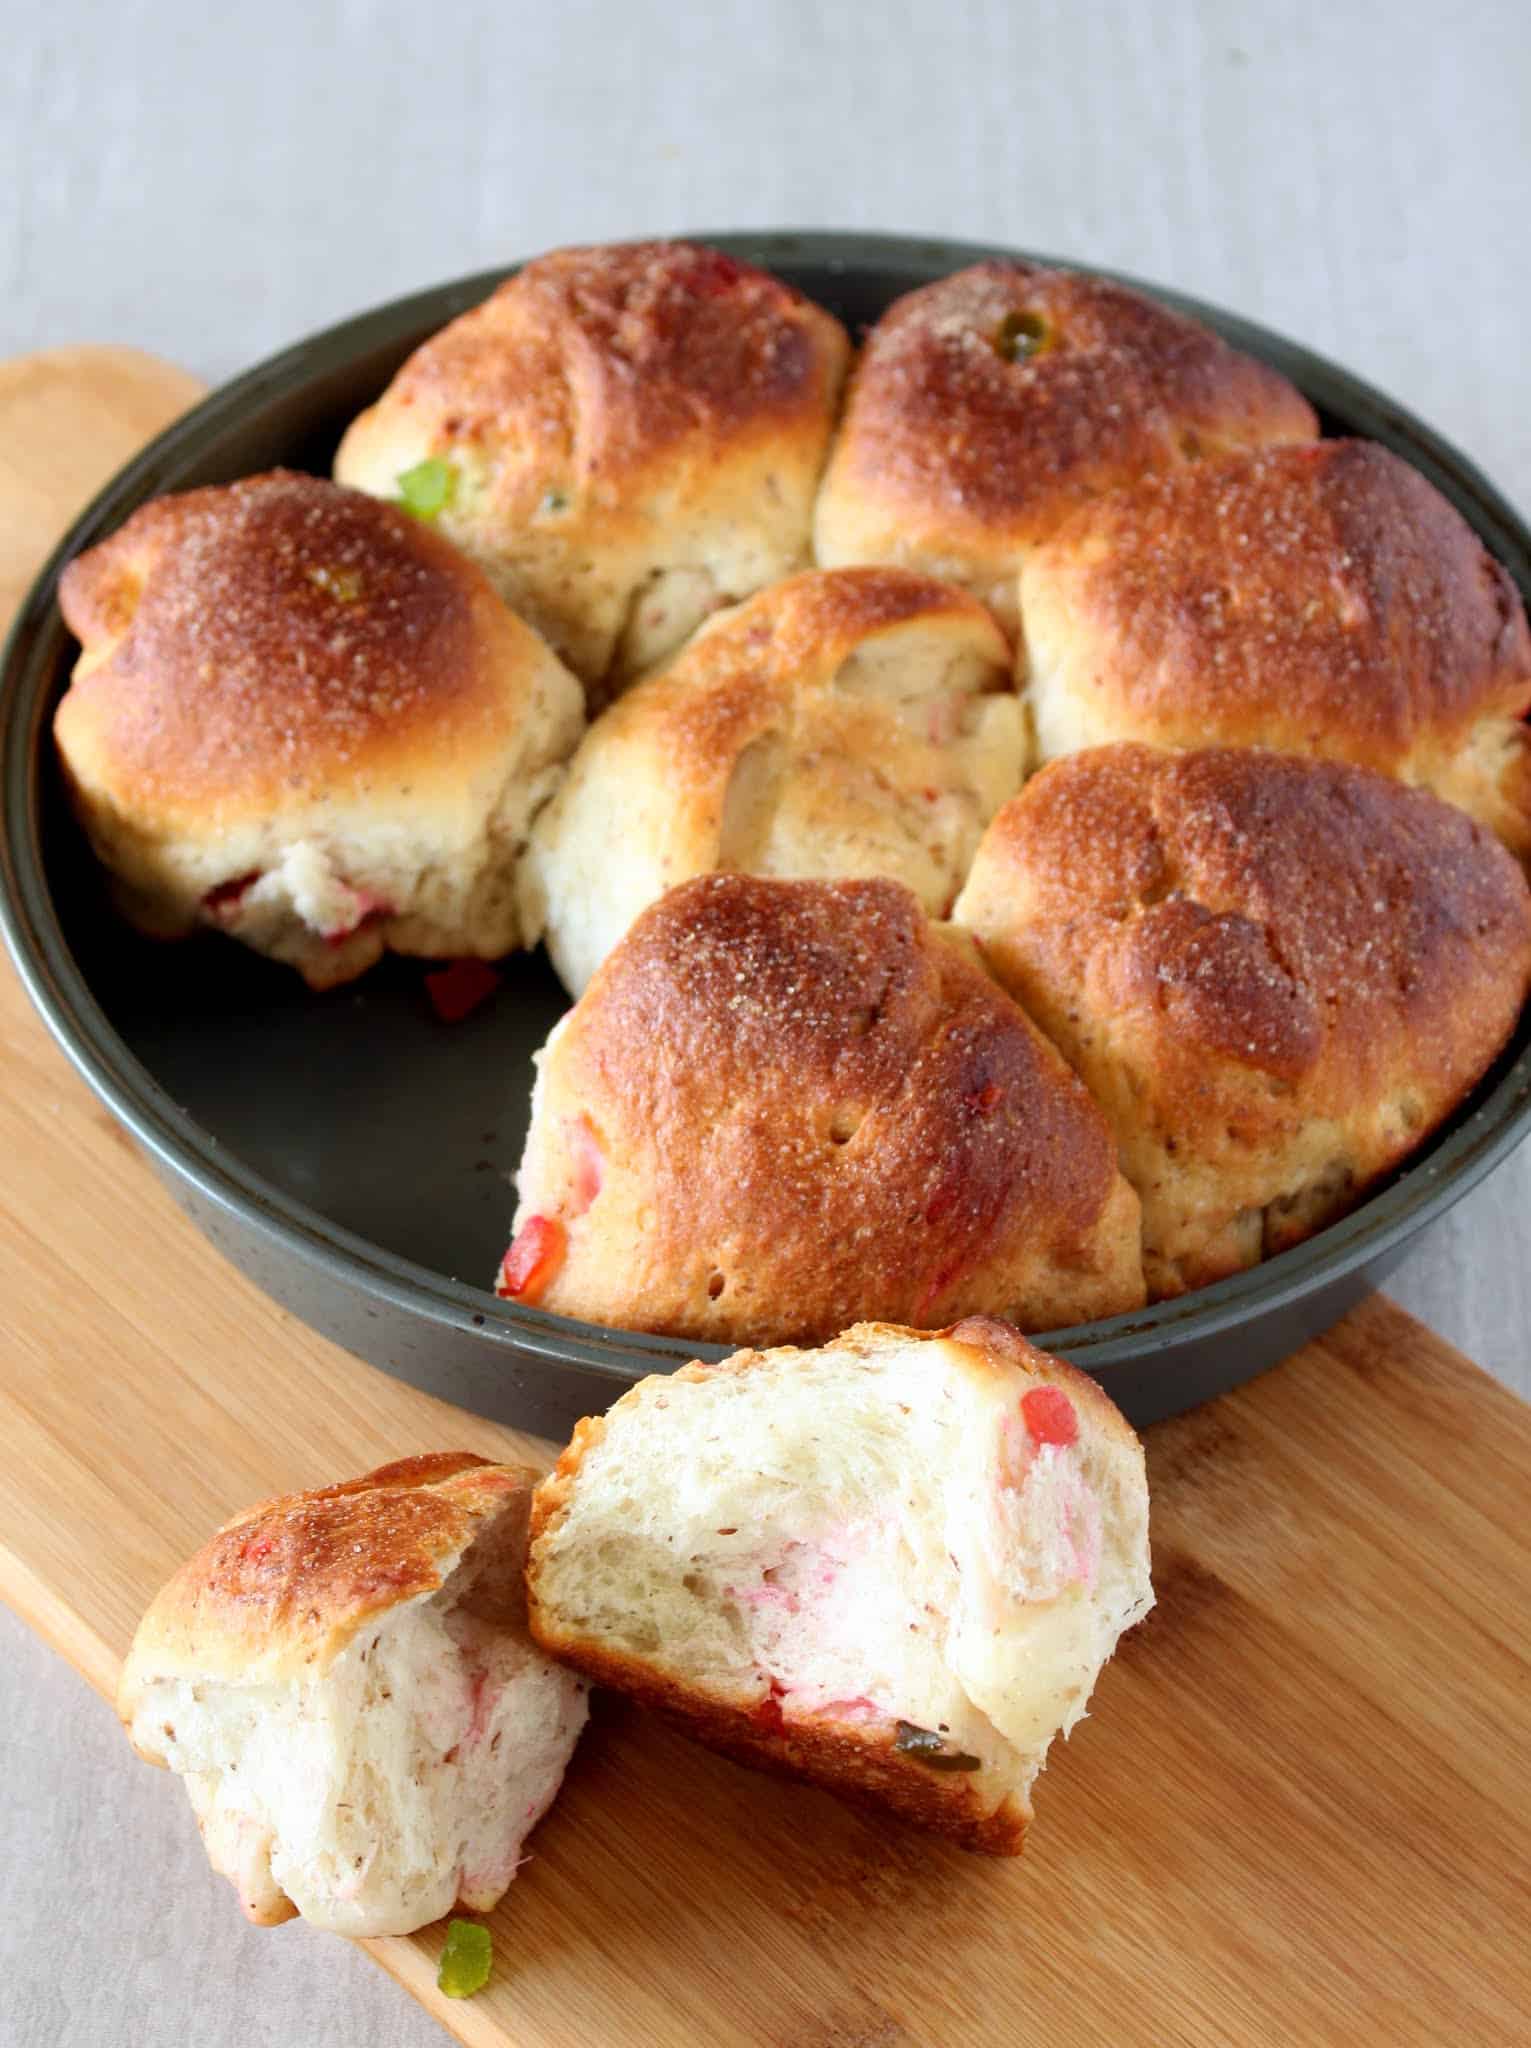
x: 1446, y: 1169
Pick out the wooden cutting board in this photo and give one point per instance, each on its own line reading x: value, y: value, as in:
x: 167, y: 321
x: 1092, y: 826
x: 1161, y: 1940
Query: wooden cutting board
x: 1296, y: 1814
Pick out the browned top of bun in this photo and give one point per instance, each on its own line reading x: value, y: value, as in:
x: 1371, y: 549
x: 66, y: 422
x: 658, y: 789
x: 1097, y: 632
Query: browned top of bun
x: 814, y: 1107
x: 810, y: 623
x: 943, y: 427
x: 732, y: 678
x: 290, y: 1581
x: 842, y: 992
x: 250, y: 644
x: 1255, y: 940
x: 591, y: 362
x: 1323, y: 596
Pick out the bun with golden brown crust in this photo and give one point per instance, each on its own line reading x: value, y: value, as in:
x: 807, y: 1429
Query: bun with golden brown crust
x: 987, y: 406
x: 781, y: 1106
x: 893, y: 1566
x: 1323, y: 600
x: 344, y: 1680
x: 634, y: 434
x: 842, y: 723
x: 301, y: 717
x: 1276, y: 976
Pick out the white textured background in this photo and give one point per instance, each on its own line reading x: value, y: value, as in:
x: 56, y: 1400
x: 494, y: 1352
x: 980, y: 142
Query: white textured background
x: 213, y: 187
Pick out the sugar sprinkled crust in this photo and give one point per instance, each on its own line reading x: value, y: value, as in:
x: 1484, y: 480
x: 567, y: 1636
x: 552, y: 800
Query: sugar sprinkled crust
x: 840, y: 723
x: 303, y: 717
x: 1276, y: 975
x: 636, y: 433
x: 856, y: 1565
x: 955, y: 460
x: 344, y: 1680
x: 287, y: 1583
x: 783, y: 1105
x: 1323, y: 599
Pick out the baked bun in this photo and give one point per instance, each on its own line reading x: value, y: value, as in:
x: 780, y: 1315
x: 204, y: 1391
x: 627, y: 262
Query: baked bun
x: 990, y: 404
x: 894, y: 1566
x: 633, y: 434
x: 855, y: 722
x: 782, y: 1106
x: 1276, y: 976
x: 345, y: 1682
x: 1323, y: 600
x: 302, y: 718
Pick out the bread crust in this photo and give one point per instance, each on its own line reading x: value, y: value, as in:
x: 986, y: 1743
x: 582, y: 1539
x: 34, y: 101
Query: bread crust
x: 250, y: 648
x: 303, y: 718
x: 285, y: 1586
x: 612, y: 411
x: 772, y: 744
x: 812, y: 1107
x: 808, y: 624
x: 858, y: 1765
x: 1322, y: 599
x: 953, y: 459
x: 1276, y: 975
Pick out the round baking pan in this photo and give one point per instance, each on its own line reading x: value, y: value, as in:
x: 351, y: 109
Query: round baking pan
x: 352, y: 1154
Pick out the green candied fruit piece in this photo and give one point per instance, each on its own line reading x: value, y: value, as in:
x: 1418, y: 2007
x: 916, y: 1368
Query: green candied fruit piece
x: 1019, y: 335
x: 927, y: 1747
x: 466, y: 1960
x: 426, y: 490
x: 344, y: 585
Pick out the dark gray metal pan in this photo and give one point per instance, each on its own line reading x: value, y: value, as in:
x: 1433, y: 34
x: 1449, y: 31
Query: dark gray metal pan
x: 351, y: 1154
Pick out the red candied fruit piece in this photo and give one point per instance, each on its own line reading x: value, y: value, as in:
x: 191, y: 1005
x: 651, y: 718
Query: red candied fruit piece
x: 1049, y: 1414
x: 589, y: 1163
x: 940, y: 1280
x: 367, y: 908
x: 223, y: 901
x: 458, y: 989
x: 713, y: 273
x: 767, y: 1717
x: 528, y: 1269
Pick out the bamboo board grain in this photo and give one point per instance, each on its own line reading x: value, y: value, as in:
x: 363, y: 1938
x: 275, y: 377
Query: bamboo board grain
x: 1295, y: 1815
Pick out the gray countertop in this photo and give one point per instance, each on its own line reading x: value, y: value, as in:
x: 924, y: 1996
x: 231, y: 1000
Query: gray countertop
x: 212, y: 184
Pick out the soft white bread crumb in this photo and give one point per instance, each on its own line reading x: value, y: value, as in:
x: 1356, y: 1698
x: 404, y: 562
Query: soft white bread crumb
x: 804, y: 1555
x: 364, y: 1760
